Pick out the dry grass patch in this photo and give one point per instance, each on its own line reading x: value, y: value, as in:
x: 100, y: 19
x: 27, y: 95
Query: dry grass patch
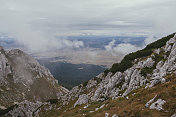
x: 135, y: 105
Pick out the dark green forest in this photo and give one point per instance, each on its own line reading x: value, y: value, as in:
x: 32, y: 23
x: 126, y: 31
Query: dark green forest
x: 70, y: 75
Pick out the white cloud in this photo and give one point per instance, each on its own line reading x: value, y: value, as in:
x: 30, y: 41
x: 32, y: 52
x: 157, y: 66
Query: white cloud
x: 36, y: 22
x: 123, y: 48
x: 149, y: 40
x: 126, y: 48
x: 31, y: 38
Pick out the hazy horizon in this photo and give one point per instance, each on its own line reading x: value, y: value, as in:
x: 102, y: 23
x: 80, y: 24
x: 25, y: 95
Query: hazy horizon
x: 36, y: 23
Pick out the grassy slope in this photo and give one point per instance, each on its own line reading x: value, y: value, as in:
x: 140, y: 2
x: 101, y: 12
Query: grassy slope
x: 127, y: 61
x: 135, y: 105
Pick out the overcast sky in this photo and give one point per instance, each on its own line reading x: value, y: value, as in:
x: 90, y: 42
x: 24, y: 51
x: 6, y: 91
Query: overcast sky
x: 31, y: 20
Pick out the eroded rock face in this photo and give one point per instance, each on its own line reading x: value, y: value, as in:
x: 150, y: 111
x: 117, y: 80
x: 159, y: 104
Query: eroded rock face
x: 28, y: 69
x: 25, y: 109
x: 174, y: 115
x: 164, y: 67
x: 158, y: 104
x: 23, y: 78
x: 83, y: 99
x: 4, y: 68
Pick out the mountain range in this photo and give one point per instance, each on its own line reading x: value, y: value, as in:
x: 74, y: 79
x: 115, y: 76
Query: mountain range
x: 143, y: 84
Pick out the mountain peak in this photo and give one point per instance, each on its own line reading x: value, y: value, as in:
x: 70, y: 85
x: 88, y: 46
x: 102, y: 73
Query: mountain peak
x: 23, y: 78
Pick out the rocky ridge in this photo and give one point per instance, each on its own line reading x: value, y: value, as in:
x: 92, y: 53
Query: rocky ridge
x: 147, y: 72
x: 162, y: 61
x: 24, y: 80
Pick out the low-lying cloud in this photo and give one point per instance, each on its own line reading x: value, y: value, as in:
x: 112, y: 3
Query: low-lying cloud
x: 31, y: 38
x: 126, y: 48
x: 123, y: 48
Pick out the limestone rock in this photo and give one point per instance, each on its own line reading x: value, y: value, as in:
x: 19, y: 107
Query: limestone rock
x: 114, y: 115
x: 25, y: 109
x: 23, y: 78
x: 158, y: 104
x: 83, y: 99
x: 150, y: 101
x: 106, y: 114
x: 174, y: 115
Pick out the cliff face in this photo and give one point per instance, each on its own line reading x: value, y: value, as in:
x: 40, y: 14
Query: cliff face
x: 23, y: 78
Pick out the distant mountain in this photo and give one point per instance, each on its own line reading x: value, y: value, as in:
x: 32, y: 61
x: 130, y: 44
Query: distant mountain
x: 70, y: 75
x: 89, y: 41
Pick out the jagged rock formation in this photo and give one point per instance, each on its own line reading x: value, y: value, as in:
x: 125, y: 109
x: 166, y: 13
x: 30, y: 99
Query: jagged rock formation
x: 158, y: 104
x: 147, y: 68
x: 146, y: 71
x: 174, y: 115
x: 23, y: 78
x: 154, y: 65
x: 25, y: 109
x: 150, y: 101
x: 83, y: 99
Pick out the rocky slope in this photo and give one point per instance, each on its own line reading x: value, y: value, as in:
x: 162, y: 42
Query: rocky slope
x: 146, y: 71
x: 142, y: 84
x: 158, y: 101
x: 24, y: 80
x: 143, y: 69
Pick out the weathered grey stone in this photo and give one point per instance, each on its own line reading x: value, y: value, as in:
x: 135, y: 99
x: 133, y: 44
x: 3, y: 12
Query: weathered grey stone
x: 174, y: 115
x: 24, y: 81
x: 102, y: 106
x: 106, y: 114
x: 150, y: 101
x: 25, y: 109
x: 83, y: 99
x: 158, y: 104
x: 114, y: 115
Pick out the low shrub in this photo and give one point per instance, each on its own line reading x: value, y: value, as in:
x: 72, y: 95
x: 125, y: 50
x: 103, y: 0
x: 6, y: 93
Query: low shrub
x: 127, y: 61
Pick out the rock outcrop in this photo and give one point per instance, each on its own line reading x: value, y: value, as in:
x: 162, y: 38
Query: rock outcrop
x: 23, y: 78
x: 158, y: 104
x: 19, y: 71
x: 25, y: 109
x: 174, y: 115
x: 113, y: 85
x: 83, y: 99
